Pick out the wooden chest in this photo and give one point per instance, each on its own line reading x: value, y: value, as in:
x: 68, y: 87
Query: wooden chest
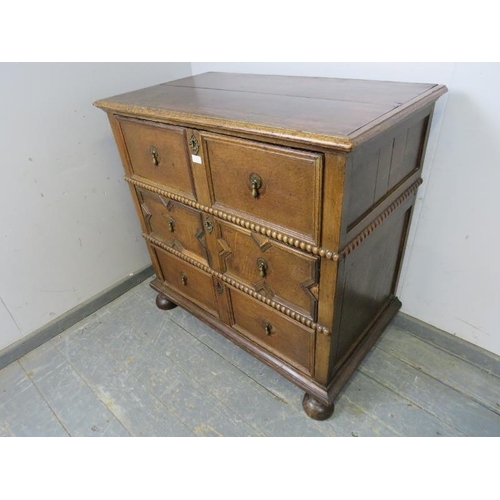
x: 276, y: 209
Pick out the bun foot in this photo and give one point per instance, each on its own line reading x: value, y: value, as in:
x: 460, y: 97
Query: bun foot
x: 315, y: 409
x: 163, y: 303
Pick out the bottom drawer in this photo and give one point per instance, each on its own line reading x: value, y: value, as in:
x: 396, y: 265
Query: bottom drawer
x: 193, y: 283
x: 286, y: 339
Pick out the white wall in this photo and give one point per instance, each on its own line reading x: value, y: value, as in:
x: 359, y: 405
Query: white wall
x: 68, y: 228
x: 451, y: 273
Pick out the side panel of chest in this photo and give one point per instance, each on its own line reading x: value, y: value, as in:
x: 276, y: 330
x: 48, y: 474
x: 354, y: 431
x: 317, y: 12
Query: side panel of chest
x: 382, y: 178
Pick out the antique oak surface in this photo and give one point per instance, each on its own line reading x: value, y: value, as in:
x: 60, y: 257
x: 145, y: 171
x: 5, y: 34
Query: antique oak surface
x: 276, y: 209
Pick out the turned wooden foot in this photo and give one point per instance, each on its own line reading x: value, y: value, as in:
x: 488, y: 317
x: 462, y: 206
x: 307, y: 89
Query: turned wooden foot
x: 315, y: 409
x: 163, y: 303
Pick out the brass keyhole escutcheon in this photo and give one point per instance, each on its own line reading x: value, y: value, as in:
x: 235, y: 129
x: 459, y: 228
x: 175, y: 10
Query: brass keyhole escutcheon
x: 171, y: 225
x: 193, y: 145
x: 154, y: 155
x: 209, y: 225
x: 184, y: 279
x: 267, y: 327
x: 255, y: 184
x: 262, y: 266
x: 218, y: 287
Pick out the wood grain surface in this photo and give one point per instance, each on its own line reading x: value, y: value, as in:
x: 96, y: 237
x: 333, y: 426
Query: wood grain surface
x: 326, y: 111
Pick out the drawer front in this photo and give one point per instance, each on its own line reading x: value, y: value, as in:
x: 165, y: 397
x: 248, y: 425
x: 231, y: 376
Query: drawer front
x: 188, y: 280
x: 275, y: 271
x: 278, y: 185
x: 159, y: 153
x: 177, y: 225
x: 286, y: 339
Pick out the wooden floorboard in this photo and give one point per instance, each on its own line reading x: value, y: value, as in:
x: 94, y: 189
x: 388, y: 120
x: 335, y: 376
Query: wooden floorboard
x: 449, y: 369
x: 474, y: 355
x: 27, y: 414
x: 73, y: 402
x: 445, y: 403
x: 139, y: 411
x: 13, y: 382
x: 399, y: 414
x: 131, y: 369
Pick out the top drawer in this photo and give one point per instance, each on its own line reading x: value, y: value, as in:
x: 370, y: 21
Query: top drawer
x: 159, y: 153
x: 278, y: 185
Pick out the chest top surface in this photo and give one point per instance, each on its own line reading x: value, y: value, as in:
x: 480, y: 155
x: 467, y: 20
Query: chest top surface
x: 334, y: 112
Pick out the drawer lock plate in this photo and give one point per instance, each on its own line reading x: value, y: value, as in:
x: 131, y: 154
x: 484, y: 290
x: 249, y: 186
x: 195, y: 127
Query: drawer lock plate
x: 193, y: 145
x: 209, y: 224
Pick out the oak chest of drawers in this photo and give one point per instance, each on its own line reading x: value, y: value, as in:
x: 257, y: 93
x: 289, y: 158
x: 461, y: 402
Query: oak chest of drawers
x: 276, y: 209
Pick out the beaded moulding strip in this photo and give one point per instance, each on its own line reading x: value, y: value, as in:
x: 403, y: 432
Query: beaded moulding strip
x: 377, y: 221
x: 258, y: 228
x: 276, y: 235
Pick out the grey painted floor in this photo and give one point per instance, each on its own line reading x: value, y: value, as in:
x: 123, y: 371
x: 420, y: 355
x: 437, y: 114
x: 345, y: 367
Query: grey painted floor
x: 131, y: 369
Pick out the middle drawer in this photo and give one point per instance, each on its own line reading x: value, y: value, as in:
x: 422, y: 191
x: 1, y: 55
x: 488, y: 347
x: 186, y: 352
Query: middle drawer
x: 177, y: 225
x: 270, y: 268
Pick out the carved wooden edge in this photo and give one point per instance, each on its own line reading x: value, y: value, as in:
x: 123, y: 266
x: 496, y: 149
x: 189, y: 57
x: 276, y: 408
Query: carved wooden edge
x: 258, y: 228
x: 399, y: 113
x: 239, y: 286
x: 276, y: 235
x: 338, y: 142
x: 376, y: 222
